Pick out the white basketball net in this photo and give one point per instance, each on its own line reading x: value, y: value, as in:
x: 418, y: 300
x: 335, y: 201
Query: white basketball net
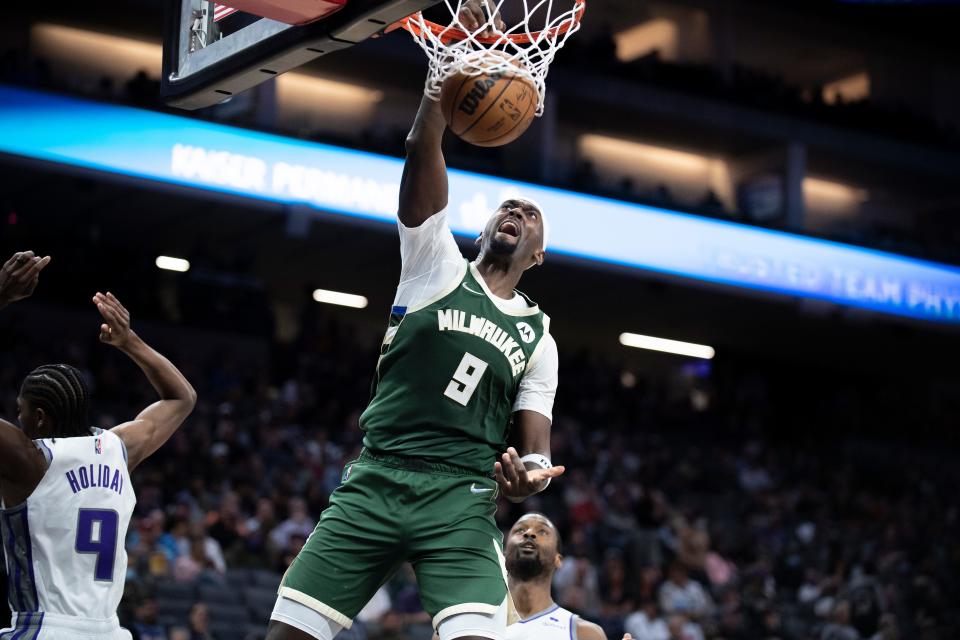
x: 529, y: 48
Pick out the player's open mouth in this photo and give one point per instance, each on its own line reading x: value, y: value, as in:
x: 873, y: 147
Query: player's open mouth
x: 510, y: 228
x: 529, y: 546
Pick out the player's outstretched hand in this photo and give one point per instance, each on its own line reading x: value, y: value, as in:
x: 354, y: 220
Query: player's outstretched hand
x: 516, y: 482
x: 19, y: 276
x: 473, y: 15
x: 115, y: 329
x: 627, y: 636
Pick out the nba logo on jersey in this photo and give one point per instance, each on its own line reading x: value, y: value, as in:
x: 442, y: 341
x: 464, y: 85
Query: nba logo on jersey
x: 98, y: 446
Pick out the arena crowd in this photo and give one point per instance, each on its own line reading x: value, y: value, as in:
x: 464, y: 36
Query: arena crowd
x: 692, y: 509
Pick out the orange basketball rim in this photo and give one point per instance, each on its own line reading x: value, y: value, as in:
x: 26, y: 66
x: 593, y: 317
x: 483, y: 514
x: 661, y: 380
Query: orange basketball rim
x: 452, y: 34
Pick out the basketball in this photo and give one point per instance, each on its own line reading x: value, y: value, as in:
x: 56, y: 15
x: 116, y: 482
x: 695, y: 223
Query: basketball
x: 489, y: 109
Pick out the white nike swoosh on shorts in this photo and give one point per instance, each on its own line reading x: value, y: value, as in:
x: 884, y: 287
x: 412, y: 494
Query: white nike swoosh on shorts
x: 473, y: 489
x: 478, y: 293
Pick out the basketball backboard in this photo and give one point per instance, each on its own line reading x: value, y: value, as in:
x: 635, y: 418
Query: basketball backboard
x: 212, y: 52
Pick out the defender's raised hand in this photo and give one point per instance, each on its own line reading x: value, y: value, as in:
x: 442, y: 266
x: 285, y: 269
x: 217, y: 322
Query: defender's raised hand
x: 19, y: 276
x: 474, y: 14
x: 516, y: 481
x: 115, y: 329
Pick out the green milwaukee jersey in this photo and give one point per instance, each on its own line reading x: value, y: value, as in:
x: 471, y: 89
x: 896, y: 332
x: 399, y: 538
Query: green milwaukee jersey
x: 448, y: 376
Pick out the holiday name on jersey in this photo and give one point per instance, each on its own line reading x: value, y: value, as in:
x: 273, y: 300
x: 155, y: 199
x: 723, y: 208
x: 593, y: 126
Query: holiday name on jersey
x: 99, y: 475
x: 456, y: 320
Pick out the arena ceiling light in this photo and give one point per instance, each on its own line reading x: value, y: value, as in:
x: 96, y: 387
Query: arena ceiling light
x: 677, y: 347
x: 91, y: 54
x: 342, y: 299
x: 659, y: 35
x: 168, y: 263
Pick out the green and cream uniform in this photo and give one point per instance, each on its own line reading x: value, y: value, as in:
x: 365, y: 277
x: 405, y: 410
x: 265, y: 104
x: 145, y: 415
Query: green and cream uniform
x: 456, y: 363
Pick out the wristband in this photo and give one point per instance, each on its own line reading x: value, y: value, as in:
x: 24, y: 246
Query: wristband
x: 541, y: 461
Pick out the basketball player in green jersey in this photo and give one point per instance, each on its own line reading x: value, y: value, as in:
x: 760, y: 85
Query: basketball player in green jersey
x: 467, y: 361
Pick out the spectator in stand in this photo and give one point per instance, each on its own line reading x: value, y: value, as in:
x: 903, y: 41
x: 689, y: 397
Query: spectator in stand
x: 294, y: 544
x: 200, y: 622
x: 152, y: 550
x: 646, y: 623
x: 298, y: 522
x: 258, y: 527
x: 720, y: 571
x: 407, y: 605
x: 582, y: 499
x: 617, y: 601
x: 197, y: 564
x: 372, y: 616
x: 619, y: 522
x: 224, y: 526
x: 577, y: 586
x: 680, y: 594
x: 839, y: 627
x: 682, y: 628
x: 693, y: 545
x: 211, y: 547
x: 145, y: 625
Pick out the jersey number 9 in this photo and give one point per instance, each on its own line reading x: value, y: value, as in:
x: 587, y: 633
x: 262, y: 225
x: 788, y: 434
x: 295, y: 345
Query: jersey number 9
x: 465, y: 379
x: 97, y: 533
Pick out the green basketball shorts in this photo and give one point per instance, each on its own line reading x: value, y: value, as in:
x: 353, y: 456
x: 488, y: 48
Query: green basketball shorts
x: 389, y: 510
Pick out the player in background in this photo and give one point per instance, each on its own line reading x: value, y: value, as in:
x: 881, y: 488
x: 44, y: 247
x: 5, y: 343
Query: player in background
x: 466, y: 362
x: 533, y: 556
x: 65, y: 486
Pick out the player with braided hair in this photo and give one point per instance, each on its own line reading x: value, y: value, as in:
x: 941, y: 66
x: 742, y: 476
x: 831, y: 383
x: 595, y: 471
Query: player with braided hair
x: 61, y: 392
x: 65, y: 492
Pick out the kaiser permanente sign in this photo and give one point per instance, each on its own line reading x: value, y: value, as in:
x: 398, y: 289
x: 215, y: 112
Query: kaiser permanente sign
x: 188, y: 152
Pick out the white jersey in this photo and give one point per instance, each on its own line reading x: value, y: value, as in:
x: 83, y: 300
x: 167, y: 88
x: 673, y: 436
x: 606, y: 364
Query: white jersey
x: 64, y: 546
x: 556, y: 623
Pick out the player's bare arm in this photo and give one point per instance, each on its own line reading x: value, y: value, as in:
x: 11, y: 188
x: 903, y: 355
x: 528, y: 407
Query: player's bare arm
x: 519, y: 480
x: 587, y: 630
x: 423, y: 186
x: 21, y: 464
x: 154, y: 425
x: 19, y: 276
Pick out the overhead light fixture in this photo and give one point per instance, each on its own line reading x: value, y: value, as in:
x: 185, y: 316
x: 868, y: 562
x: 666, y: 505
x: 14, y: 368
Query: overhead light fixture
x: 677, y: 347
x: 851, y: 88
x: 343, y: 299
x: 173, y: 264
x: 92, y: 54
x: 659, y: 35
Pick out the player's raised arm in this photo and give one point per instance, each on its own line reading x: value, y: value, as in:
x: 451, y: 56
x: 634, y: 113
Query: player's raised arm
x: 21, y: 463
x: 19, y: 276
x: 154, y: 425
x: 423, y: 187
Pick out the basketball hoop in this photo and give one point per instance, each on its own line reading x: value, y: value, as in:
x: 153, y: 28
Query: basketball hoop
x: 529, y: 49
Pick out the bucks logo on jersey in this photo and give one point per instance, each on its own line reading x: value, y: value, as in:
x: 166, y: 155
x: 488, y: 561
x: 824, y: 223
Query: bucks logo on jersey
x: 448, y: 376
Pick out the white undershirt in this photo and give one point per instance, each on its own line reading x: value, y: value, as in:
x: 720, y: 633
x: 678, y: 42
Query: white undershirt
x: 430, y: 261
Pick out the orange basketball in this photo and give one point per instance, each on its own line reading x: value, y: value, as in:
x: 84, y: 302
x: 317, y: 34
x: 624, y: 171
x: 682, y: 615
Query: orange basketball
x: 490, y: 109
